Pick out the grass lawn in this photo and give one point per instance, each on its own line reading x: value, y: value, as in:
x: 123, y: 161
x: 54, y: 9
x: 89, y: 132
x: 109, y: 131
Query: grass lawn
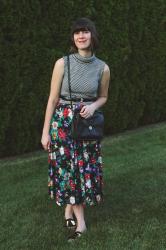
x: 133, y: 215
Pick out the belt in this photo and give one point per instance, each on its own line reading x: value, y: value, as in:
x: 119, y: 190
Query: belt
x: 77, y: 99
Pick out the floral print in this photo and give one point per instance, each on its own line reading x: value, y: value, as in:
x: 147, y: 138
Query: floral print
x: 75, y: 167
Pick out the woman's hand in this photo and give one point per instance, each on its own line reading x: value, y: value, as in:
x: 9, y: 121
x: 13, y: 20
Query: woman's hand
x: 45, y: 141
x: 87, y: 111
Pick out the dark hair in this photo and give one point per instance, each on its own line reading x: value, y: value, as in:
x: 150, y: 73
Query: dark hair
x: 82, y: 24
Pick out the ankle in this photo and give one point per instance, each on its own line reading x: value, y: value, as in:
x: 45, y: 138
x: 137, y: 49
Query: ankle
x: 68, y: 212
x: 81, y: 227
x: 68, y: 216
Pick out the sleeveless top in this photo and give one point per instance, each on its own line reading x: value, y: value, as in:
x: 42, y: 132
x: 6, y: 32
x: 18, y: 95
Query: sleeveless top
x: 85, y: 76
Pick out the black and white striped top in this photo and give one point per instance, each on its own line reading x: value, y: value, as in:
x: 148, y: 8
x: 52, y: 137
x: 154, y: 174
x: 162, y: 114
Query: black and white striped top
x: 85, y: 76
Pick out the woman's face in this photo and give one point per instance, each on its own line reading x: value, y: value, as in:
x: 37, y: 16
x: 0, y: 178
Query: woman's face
x: 82, y: 39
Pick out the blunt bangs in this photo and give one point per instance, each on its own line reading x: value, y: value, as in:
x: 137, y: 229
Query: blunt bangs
x: 80, y: 27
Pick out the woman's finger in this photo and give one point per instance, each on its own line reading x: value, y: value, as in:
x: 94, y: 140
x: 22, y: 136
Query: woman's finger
x: 83, y: 109
x: 45, y: 146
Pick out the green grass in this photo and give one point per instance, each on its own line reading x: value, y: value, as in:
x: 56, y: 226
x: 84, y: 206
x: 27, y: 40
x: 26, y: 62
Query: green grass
x: 133, y: 215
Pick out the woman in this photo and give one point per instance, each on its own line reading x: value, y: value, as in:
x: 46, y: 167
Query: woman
x: 75, y: 168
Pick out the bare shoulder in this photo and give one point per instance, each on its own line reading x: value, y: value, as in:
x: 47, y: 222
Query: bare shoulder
x: 59, y: 67
x: 105, y: 81
x: 59, y: 63
x: 106, y: 68
x: 106, y: 73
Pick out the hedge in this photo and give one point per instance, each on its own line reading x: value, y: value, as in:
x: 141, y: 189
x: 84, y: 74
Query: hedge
x: 34, y: 34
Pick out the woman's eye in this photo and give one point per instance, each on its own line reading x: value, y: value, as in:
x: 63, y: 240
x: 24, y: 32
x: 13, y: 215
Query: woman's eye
x: 84, y: 31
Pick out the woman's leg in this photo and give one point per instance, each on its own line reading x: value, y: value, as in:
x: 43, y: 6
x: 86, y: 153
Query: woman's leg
x: 79, y: 213
x: 69, y: 211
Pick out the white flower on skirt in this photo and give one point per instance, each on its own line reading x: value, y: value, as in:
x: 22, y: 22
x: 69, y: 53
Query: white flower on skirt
x: 61, y: 150
x: 61, y: 114
x: 70, y: 114
x: 100, y: 159
x: 71, y: 164
x: 86, y: 156
x: 60, y: 171
x: 53, y: 156
x: 88, y: 183
x: 72, y: 200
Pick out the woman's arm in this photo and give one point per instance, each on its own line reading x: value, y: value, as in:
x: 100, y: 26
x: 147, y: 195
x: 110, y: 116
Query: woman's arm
x: 88, y: 110
x: 56, y: 81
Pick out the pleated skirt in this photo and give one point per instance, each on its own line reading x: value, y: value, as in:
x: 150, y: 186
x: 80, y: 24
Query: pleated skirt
x: 75, y: 174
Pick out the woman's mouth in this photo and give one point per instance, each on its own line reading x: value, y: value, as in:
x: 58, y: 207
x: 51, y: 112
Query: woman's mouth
x: 82, y: 41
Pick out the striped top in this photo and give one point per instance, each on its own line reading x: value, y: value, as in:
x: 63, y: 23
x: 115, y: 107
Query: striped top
x: 85, y: 76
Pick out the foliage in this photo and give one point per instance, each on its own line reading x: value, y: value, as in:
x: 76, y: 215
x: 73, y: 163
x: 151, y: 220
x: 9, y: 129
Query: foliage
x: 34, y: 34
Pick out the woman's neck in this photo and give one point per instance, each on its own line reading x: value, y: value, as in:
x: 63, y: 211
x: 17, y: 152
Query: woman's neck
x: 85, y: 53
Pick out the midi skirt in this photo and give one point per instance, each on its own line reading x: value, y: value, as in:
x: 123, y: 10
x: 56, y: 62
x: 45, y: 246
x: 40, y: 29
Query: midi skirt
x: 75, y: 167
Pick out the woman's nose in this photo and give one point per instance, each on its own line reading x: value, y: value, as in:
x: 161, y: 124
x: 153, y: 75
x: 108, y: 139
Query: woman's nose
x: 81, y: 34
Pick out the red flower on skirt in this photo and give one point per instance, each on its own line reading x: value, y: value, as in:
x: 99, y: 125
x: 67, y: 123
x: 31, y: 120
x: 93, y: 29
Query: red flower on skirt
x: 98, y: 177
x: 72, y: 185
x: 53, y: 162
x: 75, y: 153
x: 67, y: 151
x: 87, y: 176
x: 61, y: 134
x: 80, y: 163
x: 93, y: 160
x: 65, y: 112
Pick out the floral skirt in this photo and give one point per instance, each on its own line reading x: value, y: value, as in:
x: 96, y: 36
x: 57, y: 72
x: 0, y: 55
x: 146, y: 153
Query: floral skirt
x: 75, y: 167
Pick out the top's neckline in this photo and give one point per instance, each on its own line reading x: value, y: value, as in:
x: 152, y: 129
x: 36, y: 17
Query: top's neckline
x: 85, y: 59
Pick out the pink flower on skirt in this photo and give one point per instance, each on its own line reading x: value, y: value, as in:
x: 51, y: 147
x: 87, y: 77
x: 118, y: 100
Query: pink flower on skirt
x: 54, y: 125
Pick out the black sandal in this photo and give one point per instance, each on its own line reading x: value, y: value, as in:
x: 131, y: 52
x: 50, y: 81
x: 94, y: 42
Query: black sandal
x: 70, y: 223
x: 74, y: 236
